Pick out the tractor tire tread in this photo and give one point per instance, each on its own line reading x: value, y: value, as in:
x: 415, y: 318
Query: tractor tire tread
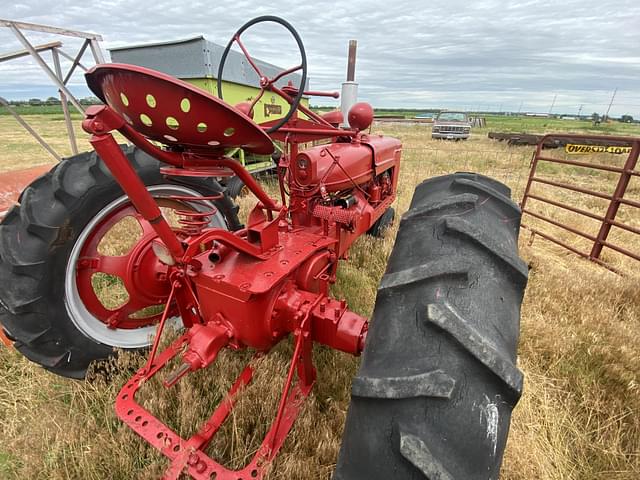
x: 446, y: 318
x: 438, y: 380
x: 416, y: 451
x: 458, y: 226
x: 36, y: 236
x: 429, y: 384
x: 464, y: 201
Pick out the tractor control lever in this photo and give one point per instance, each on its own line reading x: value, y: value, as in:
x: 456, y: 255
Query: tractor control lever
x: 293, y: 91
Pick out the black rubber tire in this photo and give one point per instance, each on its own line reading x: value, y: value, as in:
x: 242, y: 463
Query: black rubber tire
x: 438, y: 380
x: 383, y: 223
x: 234, y: 186
x: 36, y: 238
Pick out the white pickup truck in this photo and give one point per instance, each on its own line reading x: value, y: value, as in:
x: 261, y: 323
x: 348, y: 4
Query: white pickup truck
x: 451, y: 126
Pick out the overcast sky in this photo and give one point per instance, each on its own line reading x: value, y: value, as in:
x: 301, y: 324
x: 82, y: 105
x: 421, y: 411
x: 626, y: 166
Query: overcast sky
x: 487, y: 54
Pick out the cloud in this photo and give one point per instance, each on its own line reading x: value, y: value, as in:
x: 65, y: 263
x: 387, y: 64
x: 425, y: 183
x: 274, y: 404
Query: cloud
x: 486, y: 54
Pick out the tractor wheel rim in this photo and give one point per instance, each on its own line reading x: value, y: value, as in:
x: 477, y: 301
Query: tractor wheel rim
x: 86, y: 321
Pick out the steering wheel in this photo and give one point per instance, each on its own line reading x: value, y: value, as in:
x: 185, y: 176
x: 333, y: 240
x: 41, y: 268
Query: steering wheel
x: 267, y: 83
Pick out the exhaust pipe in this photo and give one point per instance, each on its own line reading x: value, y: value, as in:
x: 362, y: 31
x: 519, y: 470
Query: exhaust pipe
x: 349, y: 95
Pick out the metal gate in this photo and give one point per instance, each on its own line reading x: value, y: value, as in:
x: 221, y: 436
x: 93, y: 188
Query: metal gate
x: 623, y: 174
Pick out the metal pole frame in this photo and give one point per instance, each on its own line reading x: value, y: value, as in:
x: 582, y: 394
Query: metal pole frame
x: 91, y: 40
x: 29, y: 129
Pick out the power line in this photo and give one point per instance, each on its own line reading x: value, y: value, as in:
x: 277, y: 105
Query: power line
x: 606, y: 115
x: 553, y: 103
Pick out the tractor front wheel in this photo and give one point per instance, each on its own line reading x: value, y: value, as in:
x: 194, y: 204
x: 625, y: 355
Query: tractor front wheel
x: 381, y: 225
x: 78, y: 274
x: 438, y: 379
x: 236, y: 187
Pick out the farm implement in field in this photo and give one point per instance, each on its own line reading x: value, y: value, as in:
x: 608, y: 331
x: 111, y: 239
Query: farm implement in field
x: 438, y: 380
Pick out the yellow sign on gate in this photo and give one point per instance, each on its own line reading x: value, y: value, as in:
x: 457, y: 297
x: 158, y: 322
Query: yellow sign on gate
x: 576, y: 149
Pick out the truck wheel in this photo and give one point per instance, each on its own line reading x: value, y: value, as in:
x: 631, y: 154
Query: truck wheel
x: 438, y: 379
x: 69, y: 298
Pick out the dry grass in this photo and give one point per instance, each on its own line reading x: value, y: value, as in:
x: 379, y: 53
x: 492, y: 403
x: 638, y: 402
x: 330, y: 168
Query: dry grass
x: 579, y: 417
x: 18, y: 149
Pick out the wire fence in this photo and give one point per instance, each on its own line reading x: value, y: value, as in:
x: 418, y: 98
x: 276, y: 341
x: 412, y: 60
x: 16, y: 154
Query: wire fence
x: 587, y: 206
x: 510, y: 165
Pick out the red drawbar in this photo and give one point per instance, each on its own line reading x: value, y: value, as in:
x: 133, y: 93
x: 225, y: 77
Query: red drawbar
x: 187, y: 455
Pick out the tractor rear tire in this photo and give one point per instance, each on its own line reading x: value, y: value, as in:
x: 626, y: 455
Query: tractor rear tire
x: 37, y: 241
x: 438, y: 379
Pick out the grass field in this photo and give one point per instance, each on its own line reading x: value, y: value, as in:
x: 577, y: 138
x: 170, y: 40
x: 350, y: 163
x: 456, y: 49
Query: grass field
x: 579, y: 417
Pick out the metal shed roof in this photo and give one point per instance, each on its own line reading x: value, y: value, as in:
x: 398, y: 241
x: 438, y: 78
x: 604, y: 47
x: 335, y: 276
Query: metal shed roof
x: 197, y: 57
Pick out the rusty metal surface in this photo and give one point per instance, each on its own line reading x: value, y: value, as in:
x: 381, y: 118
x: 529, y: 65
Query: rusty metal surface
x: 556, y: 141
x: 351, y: 62
x: 599, y: 239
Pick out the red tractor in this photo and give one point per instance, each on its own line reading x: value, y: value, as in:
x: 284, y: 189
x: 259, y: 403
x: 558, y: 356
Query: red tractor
x: 438, y: 378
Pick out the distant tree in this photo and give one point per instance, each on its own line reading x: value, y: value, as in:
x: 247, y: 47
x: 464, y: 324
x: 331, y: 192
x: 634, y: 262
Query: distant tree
x: 626, y: 119
x: 52, y: 101
x: 90, y: 101
x: 35, y: 101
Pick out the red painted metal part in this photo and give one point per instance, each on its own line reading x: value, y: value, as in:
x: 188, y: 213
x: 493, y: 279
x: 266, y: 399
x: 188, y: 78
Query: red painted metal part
x: 246, y: 289
x: 186, y: 455
x: 173, y: 112
x: 143, y: 275
x: 126, y: 176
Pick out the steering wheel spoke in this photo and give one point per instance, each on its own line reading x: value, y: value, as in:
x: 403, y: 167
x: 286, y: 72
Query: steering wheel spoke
x: 256, y: 99
x: 236, y: 38
x: 284, y: 73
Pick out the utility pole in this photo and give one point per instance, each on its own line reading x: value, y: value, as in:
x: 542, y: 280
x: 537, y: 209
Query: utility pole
x: 553, y: 103
x: 520, y: 107
x: 606, y: 115
x: 580, y: 110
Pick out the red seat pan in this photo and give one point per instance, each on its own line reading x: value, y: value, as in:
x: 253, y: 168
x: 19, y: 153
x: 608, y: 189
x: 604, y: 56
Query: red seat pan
x: 173, y: 112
